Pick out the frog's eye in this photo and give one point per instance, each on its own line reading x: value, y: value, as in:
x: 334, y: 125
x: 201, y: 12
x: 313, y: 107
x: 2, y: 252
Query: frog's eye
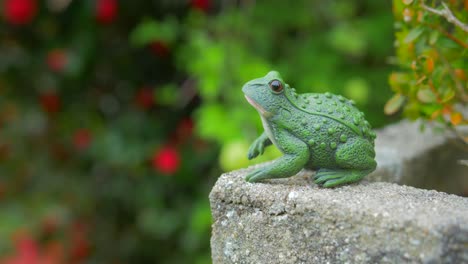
x: 276, y: 86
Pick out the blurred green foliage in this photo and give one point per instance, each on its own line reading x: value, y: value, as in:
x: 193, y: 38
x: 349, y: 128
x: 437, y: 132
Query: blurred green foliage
x: 318, y: 46
x: 98, y: 100
x: 432, y: 55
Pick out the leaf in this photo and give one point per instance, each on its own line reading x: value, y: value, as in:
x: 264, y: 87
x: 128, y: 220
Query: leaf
x: 456, y: 118
x: 433, y: 37
x: 429, y: 109
x: 435, y: 114
x: 426, y: 95
x: 412, y: 111
x: 149, y: 31
x: 413, y: 34
x: 398, y: 78
x: 407, y: 2
x: 394, y: 104
x: 448, y: 95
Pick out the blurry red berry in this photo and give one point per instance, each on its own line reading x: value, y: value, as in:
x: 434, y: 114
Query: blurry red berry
x: 106, y: 11
x: 82, y: 139
x: 19, y: 12
x: 202, y: 5
x: 166, y: 160
x: 50, y: 102
x: 80, y: 246
x: 145, y: 98
x: 159, y: 48
x: 57, y: 60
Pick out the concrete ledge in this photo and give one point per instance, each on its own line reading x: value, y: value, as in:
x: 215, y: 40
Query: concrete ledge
x: 294, y: 221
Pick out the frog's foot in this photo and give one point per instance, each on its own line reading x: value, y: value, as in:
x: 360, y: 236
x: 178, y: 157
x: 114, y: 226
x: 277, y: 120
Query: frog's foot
x: 255, y: 175
x: 334, y: 177
x: 258, y: 146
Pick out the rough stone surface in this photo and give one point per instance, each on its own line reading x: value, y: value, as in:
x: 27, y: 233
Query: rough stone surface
x: 294, y: 221
x: 424, y: 159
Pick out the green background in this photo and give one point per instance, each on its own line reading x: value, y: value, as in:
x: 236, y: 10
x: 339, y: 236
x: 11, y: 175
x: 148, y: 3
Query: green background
x: 87, y: 107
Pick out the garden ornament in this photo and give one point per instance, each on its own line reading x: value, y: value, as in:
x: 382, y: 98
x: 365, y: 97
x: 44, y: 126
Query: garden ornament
x: 323, y: 132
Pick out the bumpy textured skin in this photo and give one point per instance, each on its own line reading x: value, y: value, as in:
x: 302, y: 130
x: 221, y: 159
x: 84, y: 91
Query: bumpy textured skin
x: 324, y: 132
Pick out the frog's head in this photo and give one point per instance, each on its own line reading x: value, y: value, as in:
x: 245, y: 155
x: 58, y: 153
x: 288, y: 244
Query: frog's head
x: 267, y: 94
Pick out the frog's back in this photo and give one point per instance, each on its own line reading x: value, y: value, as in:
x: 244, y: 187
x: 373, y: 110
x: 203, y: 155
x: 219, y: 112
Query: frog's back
x: 336, y: 108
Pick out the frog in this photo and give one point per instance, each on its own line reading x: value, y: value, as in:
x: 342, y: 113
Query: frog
x: 323, y: 132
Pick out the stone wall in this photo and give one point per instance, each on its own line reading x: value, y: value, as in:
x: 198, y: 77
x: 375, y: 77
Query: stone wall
x: 294, y: 221
x: 424, y: 159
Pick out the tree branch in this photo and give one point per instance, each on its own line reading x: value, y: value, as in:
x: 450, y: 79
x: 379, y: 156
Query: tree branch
x: 445, y: 12
x: 448, y: 35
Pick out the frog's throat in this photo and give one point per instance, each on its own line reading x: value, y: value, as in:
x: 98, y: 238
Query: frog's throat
x: 259, y: 108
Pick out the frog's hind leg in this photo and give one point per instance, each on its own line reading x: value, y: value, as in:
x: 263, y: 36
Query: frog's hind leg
x: 354, y: 159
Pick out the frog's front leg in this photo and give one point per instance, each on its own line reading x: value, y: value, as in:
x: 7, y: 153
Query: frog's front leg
x: 296, y: 154
x: 258, y: 146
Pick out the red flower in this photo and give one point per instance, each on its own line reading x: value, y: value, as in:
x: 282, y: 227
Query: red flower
x: 166, y: 160
x: 106, y: 11
x: 57, y: 60
x: 202, y: 5
x: 159, y: 48
x: 145, y: 98
x: 27, y: 251
x: 19, y: 12
x: 50, y: 102
x: 82, y: 139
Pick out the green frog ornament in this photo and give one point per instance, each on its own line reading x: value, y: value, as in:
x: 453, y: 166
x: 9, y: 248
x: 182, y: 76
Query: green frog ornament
x: 323, y: 132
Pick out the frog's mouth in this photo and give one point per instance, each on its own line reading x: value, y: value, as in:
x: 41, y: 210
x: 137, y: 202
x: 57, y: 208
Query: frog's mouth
x: 259, y: 108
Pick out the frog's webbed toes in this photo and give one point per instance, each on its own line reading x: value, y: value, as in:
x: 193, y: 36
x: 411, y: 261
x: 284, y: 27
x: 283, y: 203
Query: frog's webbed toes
x: 256, y: 175
x: 252, y: 153
x: 257, y: 148
x: 332, y: 178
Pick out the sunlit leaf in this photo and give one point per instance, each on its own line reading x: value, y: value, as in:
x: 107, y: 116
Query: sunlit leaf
x: 433, y: 37
x: 447, y: 95
x: 426, y: 95
x: 408, y: 14
x: 394, y: 104
x: 435, y: 114
x: 397, y: 79
x: 429, y: 109
x: 413, y: 34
